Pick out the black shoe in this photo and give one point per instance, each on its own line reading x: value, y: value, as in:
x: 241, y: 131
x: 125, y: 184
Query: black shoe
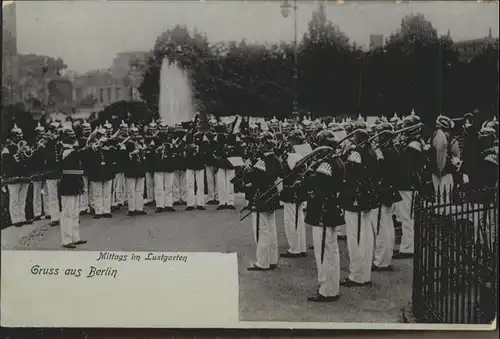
x: 349, y: 283
x: 131, y: 213
x: 149, y: 203
x: 303, y: 254
x: 311, y: 247
x: 376, y: 268
x: 183, y: 203
x: 230, y: 207
x: 54, y: 223
x: 28, y: 222
x: 254, y: 267
x: 399, y: 255
x: 273, y: 266
x: 320, y: 298
x: 159, y: 210
x: 221, y: 207
x: 98, y: 216
x: 47, y: 217
x: 107, y: 215
x: 140, y: 213
x: 169, y: 209
x: 18, y: 224
x: 80, y: 242
x: 190, y: 208
x: 291, y: 255
x: 200, y: 208
x: 37, y: 219
x: 84, y: 212
x: 177, y: 203
x: 69, y: 246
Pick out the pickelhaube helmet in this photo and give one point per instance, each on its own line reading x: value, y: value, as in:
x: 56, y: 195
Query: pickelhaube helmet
x: 39, y: 129
x: 493, y: 124
x: 123, y: 125
x: 16, y: 131
x: 267, y: 140
x: 326, y: 138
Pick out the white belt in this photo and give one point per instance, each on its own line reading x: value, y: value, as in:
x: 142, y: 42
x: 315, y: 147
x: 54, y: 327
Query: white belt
x: 76, y: 172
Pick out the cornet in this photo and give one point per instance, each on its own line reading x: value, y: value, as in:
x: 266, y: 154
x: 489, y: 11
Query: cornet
x: 24, y: 151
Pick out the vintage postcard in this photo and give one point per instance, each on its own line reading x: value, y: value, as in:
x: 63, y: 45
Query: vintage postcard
x: 250, y: 164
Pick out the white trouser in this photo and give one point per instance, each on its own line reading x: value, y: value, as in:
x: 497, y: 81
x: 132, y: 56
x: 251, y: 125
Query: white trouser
x: 180, y: 192
x: 53, y: 208
x: 195, y: 198
x: 17, y: 202
x: 406, y: 216
x: 329, y: 270
x: 101, y: 191
x: 70, y: 229
x: 267, y: 241
x: 135, y: 194
x: 37, y: 198
x: 84, y: 197
x: 295, y: 229
x: 384, y: 242
x: 149, y: 186
x: 360, y: 254
x: 443, y: 185
x: 212, y: 189
x: 91, y: 195
x: 485, y: 224
x: 225, y: 187
x: 340, y: 230
x: 164, y: 182
x: 119, y: 189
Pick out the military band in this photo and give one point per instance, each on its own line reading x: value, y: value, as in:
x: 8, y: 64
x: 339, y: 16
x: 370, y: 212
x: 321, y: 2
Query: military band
x: 342, y: 179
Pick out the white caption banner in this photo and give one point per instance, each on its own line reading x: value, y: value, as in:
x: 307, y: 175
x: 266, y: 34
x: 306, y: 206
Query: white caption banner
x: 77, y: 289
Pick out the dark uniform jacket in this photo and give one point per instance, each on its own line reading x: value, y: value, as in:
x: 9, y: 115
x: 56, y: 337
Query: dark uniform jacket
x: 16, y: 172
x: 485, y: 178
x: 410, y: 167
x: 292, y: 192
x: 195, y: 157
x: 71, y: 182
x: 164, y: 158
x: 325, y: 185
x: 360, y: 193
x: 100, y: 165
x: 261, y: 179
x: 135, y: 162
x: 387, y: 175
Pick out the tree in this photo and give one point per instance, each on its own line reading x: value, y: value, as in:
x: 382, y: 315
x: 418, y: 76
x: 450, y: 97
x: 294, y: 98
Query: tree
x: 36, y: 66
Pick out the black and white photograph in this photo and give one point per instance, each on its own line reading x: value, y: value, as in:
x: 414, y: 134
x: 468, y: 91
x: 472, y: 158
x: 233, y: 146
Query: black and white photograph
x: 346, y: 151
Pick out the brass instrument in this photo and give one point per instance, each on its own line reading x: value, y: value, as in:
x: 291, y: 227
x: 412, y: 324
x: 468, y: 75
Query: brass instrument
x: 24, y: 151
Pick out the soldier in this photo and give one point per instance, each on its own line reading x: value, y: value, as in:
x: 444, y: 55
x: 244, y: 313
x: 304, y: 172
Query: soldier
x: 101, y: 174
x: 164, y: 171
x: 70, y: 188
x: 263, y: 178
x: 359, y: 199
x: 151, y: 136
x: 119, y: 186
x: 38, y: 164
x: 388, y: 194
x: 409, y: 181
x: 195, y: 181
x: 134, y: 173
x: 85, y: 205
x: 441, y: 163
x: 180, y: 191
x: 293, y: 199
x: 211, y: 170
x: 15, y: 161
x: 227, y: 148
x: 482, y: 180
x: 324, y: 214
x: 52, y: 174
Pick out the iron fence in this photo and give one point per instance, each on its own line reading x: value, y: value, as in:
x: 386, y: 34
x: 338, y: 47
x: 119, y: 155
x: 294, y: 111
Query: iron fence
x: 456, y: 258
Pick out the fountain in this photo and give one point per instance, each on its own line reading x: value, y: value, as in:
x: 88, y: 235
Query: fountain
x: 176, y: 99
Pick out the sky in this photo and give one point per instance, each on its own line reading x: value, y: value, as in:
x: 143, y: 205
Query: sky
x: 88, y: 34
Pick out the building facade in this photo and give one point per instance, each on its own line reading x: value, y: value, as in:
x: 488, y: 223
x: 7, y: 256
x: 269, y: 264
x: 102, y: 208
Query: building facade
x: 468, y: 49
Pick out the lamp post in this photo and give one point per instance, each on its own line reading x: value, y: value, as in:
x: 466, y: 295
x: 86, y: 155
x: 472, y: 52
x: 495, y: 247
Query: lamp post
x: 286, y: 7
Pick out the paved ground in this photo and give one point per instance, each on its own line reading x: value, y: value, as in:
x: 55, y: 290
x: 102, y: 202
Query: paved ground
x: 278, y: 295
